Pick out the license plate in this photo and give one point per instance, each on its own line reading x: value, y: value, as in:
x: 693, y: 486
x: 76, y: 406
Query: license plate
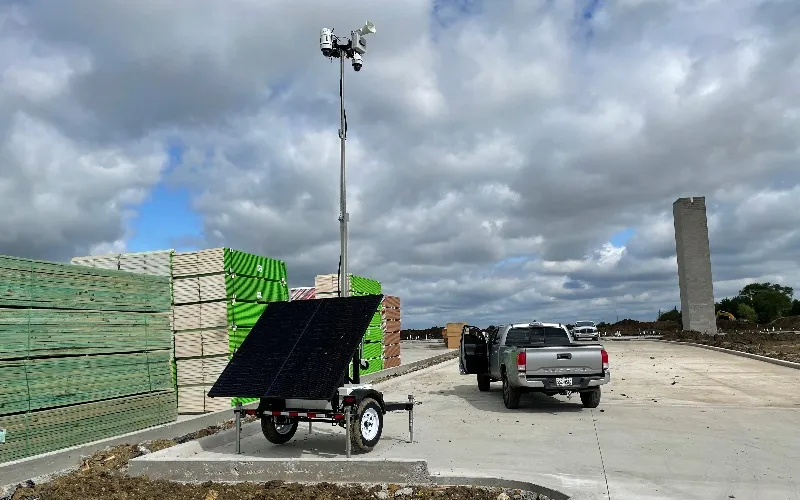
x: 564, y: 381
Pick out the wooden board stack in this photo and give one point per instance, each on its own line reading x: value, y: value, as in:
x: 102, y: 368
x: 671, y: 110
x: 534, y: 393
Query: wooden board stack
x: 84, y: 355
x: 219, y: 294
x: 303, y: 293
x: 452, y: 334
x: 390, y: 325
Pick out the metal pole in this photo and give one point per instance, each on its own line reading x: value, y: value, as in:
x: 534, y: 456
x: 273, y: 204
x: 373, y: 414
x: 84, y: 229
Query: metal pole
x: 344, y: 285
x: 238, y: 427
x: 344, y: 279
x: 309, y: 427
x: 347, y: 429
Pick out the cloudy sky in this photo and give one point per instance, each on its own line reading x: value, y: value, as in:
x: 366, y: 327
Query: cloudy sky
x: 506, y: 159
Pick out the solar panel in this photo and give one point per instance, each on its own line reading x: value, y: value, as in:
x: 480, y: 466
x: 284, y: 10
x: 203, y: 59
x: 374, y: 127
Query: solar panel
x: 298, y: 349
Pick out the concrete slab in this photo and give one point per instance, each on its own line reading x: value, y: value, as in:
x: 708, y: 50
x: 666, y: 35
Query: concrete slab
x: 676, y: 422
x: 416, y: 350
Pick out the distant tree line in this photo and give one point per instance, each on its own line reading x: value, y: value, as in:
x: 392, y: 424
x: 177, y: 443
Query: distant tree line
x: 757, y: 303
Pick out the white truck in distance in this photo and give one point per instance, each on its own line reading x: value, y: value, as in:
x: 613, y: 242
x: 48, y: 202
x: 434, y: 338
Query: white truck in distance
x: 534, y: 357
x: 585, y: 330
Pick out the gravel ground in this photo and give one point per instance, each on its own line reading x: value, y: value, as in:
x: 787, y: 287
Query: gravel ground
x: 778, y: 345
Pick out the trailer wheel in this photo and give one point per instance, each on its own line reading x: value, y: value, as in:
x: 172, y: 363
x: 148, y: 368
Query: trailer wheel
x: 484, y: 383
x: 511, y: 395
x: 367, y: 426
x: 280, y: 432
x: 591, y: 399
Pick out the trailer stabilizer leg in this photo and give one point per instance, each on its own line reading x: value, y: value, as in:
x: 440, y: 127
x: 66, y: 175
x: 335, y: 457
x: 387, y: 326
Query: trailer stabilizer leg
x: 411, y: 417
x: 238, y: 424
x: 347, y: 429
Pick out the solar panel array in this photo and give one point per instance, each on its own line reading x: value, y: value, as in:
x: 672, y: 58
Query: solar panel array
x: 298, y: 349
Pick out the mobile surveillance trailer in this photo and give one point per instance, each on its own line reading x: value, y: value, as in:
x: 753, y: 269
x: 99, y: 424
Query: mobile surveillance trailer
x: 295, y: 361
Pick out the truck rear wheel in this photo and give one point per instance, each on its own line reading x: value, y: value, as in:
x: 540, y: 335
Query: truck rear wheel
x: 484, y: 383
x: 367, y: 426
x: 591, y: 399
x: 278, y: 432
x: 511, y: 395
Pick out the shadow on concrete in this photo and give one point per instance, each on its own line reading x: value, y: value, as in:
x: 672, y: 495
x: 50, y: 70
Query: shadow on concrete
x: 529, y: 403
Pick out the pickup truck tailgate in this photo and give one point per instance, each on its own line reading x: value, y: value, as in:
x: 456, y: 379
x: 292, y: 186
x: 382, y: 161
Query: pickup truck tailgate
x: 567, y: 360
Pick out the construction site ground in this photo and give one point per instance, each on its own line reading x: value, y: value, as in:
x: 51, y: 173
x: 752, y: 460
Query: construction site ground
x: 676, y: 422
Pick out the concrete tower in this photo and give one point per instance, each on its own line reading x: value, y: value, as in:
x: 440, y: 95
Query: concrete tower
x: 694, y: 264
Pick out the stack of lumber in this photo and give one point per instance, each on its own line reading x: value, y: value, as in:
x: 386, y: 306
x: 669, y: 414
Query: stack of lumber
x: 327, y: 285
x: 452, y: 334
x: 303, y: 293
x: 84, y: 355
x: 390, y: 325
x: 219, y: 294
x: 156, y: 263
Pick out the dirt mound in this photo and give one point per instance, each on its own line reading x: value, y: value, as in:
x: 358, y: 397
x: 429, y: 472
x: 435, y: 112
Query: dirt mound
x: 778, y: 345
x: 787, y: 323
x: 633, y: 326
x: 116, y: 486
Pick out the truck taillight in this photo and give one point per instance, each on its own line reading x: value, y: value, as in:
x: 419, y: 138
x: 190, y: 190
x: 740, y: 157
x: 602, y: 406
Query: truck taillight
x: 604, y: 358
x: 521, y: 361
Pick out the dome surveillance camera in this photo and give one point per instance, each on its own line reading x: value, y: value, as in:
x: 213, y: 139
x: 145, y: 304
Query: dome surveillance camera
x: 326, y: 42
x: 358, y: 62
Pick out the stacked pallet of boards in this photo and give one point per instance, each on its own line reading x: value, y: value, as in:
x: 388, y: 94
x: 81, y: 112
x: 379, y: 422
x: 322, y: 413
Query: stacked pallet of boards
x: 452, y: 334
x: 390, y: 324
x: 303, y: 293
x: 84, y: 355
x: 219, y: 294
x: 157, y: 263
x: 327, y: 285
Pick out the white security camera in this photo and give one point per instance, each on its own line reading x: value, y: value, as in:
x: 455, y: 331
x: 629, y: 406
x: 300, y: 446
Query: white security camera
x: 326, y: 42
x: 357, y: 61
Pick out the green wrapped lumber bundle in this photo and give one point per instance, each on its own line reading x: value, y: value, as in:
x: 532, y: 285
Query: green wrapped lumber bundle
x: 31, y: 283
x: 219, y: 294
x: 58, y: 332
x: 84, y: 355
x: 327, y: 286
x: 40, y: 383
x: 33, y: 433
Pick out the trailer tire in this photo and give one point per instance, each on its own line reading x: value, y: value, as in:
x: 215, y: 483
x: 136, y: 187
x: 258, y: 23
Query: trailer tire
x: 484, y: 383
x: 367, y: 426
x: 591, y: 399
x: 280, y: 433
x: 511, y: 394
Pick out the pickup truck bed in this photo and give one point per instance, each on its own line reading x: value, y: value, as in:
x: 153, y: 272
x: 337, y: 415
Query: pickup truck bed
x: 536, y: 357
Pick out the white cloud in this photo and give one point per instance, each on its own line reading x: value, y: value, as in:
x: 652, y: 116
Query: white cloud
x: 519, y: 133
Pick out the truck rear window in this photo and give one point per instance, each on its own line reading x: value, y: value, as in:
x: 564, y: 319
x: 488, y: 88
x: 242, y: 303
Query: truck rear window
x: 536, y: 336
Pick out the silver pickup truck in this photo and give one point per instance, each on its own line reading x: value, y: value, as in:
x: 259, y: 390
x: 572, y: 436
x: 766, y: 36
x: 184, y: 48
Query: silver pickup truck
x: 534, y: 357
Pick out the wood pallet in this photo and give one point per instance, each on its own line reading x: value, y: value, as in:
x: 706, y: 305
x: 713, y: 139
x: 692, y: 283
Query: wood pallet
x: 194, y: 400
x: 109, y: 261
x: 48, y: 332
x: 197, y: 343
x: 158, y: 263
x: 393, y: 362
x: 200, y: 371
x: 197, y: 316
x: 36, y: 432
x: 40, y: 383
x: 391, y: 351
x: 30, y: 283
x: 391, y: 338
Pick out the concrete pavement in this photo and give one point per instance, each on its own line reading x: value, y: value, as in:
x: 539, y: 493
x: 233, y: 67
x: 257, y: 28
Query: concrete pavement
x: 677, y: 422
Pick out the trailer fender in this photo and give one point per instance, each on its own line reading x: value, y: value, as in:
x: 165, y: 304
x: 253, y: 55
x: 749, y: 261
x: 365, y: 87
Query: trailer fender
x: 361, y: 394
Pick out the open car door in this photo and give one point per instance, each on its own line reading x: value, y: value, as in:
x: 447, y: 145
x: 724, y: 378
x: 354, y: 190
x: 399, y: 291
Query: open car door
x: 473, y: 351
